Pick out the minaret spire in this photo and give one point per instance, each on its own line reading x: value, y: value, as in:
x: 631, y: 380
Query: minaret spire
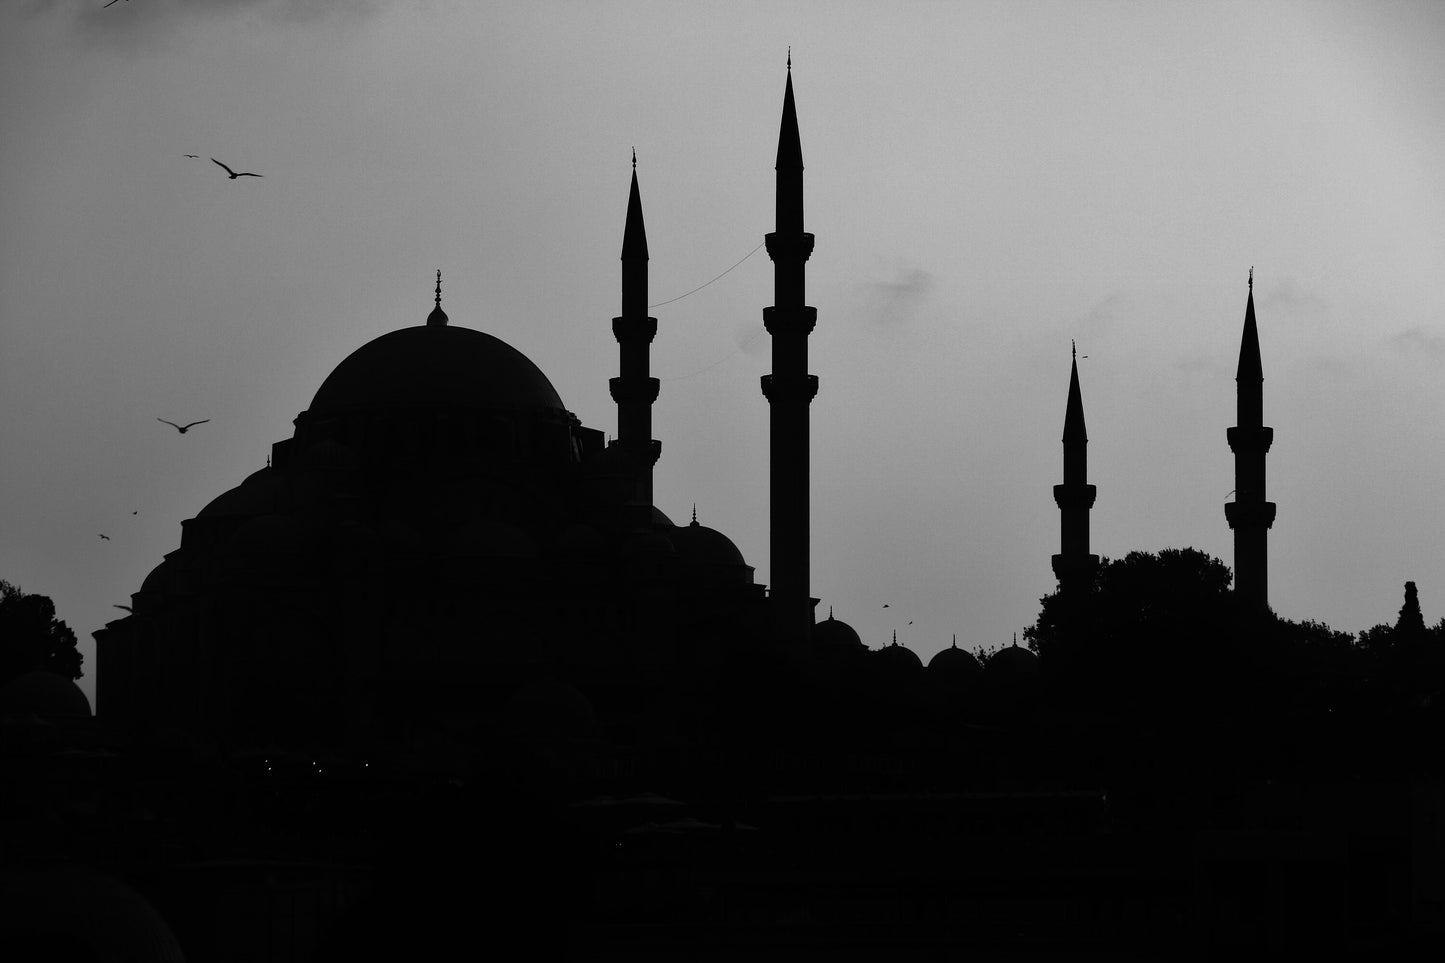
x: 789, y: 388
x: 1250, y: 515
x: 438, y: 317
x: 635, y: 389
x: 1074, y: 567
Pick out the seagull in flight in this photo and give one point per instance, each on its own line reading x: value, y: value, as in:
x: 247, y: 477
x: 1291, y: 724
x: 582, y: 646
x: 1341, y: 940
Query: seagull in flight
x: 183, y: 428
x: 198, y: 157
x: 235, y: 174
x: 112, y: 2
x: 106, y: 537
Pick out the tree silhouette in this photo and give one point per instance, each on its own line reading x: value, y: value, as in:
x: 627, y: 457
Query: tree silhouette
x: 32, y: 638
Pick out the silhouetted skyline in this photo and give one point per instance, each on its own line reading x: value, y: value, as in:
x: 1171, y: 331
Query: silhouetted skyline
x: 985, y: 183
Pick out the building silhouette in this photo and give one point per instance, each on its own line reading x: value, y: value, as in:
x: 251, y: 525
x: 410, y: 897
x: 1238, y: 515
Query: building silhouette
x: 445, y: 643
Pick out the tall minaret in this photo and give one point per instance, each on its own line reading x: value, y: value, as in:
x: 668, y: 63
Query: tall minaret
x: 789, y: 389
x: 1074, y: 567
x: 635, y: 390
x: 1249, y: 514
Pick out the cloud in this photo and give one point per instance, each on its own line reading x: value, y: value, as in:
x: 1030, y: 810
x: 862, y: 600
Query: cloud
x: 892, y: 302
x: 1419, y: 341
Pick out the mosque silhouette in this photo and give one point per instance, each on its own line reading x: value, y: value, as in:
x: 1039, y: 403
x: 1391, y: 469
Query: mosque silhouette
x: 442, y: 673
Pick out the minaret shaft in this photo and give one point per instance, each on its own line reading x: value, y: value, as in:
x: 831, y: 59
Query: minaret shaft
x: 1250, y: 515
x: 635, y: 389
x: 1074, y: 567
x: 790, y: 390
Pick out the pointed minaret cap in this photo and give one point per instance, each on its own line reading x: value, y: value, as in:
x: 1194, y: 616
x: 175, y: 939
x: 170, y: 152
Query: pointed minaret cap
x: 634, y: 235
x: 1074, y: 413
x: 1250, y: 368
x: 790, y: 145
x: 438, y: 317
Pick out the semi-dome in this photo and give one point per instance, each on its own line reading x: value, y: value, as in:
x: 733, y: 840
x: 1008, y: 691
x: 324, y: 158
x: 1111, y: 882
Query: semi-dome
x: 259, y: 494
x: 434, y: 365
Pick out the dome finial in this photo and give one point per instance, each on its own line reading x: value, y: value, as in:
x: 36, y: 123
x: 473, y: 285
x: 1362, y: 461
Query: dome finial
x: 694, y: 513
x: 830, y: 613
x: 895, y: 636
x: 438, y: 317
x: 955, y: 640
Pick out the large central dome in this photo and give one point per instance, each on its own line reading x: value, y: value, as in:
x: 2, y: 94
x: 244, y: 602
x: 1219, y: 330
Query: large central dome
x: 435, y: 365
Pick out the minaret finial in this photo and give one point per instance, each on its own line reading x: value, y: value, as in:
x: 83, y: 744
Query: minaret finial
x: 790, y: 57
x: 895, y: 636
x: 634, y: 158
x: 438, y: 317
x: 1073, y: 349
x: 955, y: 640
x: 830, y: 613
x: 1251, y: 277
x: 694, y: 513
x: 1016, y: 640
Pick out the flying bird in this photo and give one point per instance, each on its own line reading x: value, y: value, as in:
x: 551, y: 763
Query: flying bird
x: 126, y: 607
x: 112, y: 2
x: 135, y: 513
x: 235, y: 174
x: 885, y: 605
x: 106, y: 537
x: 182, y: 428
x: 196, y: 156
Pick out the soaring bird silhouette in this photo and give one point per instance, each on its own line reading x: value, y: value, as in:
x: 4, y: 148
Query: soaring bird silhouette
x: 235, y: 174
x: 183, y: 428
x: 196, y: 156
x: 104, y: 5
x: 106, y: 537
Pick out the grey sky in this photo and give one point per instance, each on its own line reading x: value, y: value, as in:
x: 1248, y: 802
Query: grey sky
x: 985, y: 181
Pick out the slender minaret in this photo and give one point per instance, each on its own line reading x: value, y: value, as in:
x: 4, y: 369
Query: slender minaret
x: 1249, y: 514
x: 635, y: 390
x: 1074, y: 567
x: 789, y: 389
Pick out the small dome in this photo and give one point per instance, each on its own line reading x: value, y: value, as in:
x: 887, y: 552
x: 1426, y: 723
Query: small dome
x: 434, y: 366
x: 698, y: 543
x: 259, y: 494
x: 1012, y: 660
x: 834, y: 635
x: 897, y: 658
x: 954, y: 662
x: 49, y: 695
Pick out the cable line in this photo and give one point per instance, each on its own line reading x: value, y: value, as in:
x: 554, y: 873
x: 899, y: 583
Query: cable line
x: 706, y: 283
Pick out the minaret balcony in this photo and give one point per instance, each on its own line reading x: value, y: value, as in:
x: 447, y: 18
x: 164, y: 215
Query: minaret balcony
x: 1249, y: 514
x: 800, y: 320
x: 1249, y: 441
x: 634, y: 390
x: 778, y: 387
x: 789, y: 247
x: 1075, y: 496
x: 634, y: 330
